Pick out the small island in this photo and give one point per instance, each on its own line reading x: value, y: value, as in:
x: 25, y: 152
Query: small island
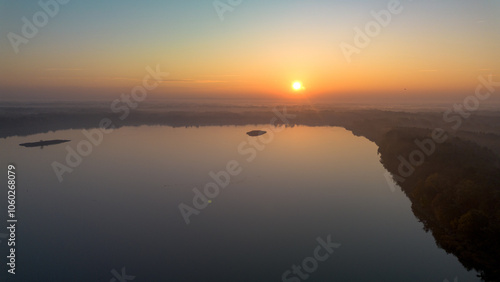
x: 42, y: 143
x: 254, y: 133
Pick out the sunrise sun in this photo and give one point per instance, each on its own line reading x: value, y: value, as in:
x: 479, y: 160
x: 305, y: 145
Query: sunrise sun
x: 297, y: 85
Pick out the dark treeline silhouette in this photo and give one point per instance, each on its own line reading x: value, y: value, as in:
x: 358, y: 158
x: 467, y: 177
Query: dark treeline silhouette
x: 455, y: 193
x: 483, y: 128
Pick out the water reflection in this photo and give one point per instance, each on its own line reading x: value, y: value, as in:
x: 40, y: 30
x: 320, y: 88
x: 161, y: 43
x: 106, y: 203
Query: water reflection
x: 120, y: 208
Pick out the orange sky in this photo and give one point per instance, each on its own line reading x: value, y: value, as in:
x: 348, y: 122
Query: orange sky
x: 430, y: 48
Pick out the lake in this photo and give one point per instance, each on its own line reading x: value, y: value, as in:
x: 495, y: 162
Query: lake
x: 313, y: 197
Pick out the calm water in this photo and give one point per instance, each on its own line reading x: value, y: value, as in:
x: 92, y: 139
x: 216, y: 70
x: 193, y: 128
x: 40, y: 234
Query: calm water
x: 120, y: 208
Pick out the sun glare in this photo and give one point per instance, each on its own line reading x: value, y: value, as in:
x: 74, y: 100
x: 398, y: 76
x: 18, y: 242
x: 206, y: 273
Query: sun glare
x: 297, y: 85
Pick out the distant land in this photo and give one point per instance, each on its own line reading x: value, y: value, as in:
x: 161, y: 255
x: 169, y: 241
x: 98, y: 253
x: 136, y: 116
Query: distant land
x: 482, y: 127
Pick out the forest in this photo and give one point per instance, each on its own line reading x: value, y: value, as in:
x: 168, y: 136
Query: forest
x: 455, y: 194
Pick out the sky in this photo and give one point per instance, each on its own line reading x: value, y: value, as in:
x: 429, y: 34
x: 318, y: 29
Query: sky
x: 428, y: 49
